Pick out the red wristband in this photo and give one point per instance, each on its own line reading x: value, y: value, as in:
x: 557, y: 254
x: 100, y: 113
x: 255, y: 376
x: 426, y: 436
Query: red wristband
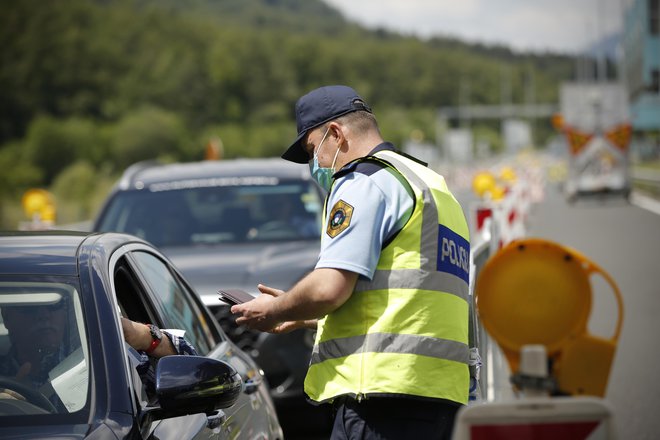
x: 156, y: 337
x: 154, y: 343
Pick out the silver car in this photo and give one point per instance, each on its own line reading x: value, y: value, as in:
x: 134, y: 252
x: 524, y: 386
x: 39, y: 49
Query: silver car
x: 233, y: 224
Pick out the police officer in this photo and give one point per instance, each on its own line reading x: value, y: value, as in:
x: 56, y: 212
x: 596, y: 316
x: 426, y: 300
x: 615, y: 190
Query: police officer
x: 388, y: 295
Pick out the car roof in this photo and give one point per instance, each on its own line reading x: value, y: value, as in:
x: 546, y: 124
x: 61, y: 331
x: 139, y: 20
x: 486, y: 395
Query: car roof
x: 30, y: 252
x: 147, y: 173
x: 51, y: 252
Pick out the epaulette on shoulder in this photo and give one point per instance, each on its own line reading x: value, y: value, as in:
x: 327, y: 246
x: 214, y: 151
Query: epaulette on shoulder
x: 367, y: 165
x: 413, y: 158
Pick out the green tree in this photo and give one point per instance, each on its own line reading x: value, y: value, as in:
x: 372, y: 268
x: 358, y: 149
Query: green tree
x: 53, y: 144
x: 77, y: 189
x: 148, y: 133
x: 17, y: 176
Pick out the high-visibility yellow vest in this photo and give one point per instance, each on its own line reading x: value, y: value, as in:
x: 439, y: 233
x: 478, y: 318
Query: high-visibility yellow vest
x: 406, y: 331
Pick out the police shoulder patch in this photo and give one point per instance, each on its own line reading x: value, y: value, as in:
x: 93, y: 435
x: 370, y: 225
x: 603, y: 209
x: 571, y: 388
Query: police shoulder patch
x: 340, y: 218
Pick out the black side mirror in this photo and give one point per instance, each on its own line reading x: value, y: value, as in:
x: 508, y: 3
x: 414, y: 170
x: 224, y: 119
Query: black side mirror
x: 195, y: 384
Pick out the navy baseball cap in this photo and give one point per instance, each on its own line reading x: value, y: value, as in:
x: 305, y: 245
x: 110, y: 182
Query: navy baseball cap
x: 318, y: 107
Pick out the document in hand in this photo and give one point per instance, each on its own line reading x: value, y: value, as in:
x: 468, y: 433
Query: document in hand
x: 235, y: 296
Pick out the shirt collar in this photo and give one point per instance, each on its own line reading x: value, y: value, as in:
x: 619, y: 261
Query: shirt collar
x: 349, y: 167
x: 385, y: 146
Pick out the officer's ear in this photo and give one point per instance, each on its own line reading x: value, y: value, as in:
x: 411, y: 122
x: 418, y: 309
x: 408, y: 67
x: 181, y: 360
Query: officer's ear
x: 337, y: 132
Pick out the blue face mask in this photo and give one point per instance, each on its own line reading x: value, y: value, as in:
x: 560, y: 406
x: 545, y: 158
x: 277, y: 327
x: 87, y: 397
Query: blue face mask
x: 322, y: 175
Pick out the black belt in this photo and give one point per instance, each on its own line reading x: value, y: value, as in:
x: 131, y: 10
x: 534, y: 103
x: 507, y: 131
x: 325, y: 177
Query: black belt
x: 417, y: 406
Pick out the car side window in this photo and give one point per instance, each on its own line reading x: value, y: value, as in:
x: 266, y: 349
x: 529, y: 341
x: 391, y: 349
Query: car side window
x: 180, y: 310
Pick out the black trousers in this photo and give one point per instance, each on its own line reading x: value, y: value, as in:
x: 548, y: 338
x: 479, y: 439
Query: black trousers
x: 380, y: 418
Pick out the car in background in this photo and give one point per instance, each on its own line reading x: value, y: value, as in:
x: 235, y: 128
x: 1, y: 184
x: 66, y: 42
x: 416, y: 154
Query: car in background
x: 93, y: 389
x: 233, y: 224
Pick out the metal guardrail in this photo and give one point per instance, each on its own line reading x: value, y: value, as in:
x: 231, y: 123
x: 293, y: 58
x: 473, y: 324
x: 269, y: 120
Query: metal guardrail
x: 647, y: 180
x: 646, y: 175
x: 493, y: 372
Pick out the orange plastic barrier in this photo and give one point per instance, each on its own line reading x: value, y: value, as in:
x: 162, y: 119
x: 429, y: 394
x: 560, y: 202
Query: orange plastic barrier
x: 534, y: 291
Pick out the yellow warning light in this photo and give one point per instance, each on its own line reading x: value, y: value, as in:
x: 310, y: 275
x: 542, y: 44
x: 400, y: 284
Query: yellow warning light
x: 508, y: 175
x: 37, y: 201
x: 48, y: 213
x: 535, y: 291
x: 482, y: 183
x: 497, y: 192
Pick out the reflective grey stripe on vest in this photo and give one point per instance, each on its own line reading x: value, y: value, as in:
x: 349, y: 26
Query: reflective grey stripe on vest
x: 429, y: 238
x: 427, y: 277
x: 414, y: 279
x: 391, y: 343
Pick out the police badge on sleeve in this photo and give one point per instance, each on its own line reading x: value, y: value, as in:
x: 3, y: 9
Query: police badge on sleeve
x: 340, y: 218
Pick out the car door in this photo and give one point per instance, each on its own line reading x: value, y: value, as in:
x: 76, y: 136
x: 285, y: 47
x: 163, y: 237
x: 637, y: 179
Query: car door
x: 135, y: 303
x: 175, y: 306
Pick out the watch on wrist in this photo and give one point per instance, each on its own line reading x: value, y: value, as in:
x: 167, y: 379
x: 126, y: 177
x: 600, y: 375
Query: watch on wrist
x: 156, y: 337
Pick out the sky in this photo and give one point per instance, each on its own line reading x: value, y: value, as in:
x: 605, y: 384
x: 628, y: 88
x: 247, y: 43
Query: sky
x: 566, y: 26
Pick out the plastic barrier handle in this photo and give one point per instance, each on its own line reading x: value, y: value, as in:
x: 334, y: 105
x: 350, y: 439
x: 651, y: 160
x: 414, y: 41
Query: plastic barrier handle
x: 591, y: 267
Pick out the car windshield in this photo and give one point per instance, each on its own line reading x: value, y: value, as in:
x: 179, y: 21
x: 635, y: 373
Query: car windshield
x: 43, y: 349
x: 220, y: 210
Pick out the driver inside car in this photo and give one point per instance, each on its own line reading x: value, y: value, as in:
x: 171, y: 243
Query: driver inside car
x: 40, y: 341
x: 286, y: 212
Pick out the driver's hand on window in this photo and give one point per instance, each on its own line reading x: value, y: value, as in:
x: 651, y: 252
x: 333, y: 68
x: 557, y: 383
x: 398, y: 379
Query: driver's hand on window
x: 134, y: 334
x: 138, y: 336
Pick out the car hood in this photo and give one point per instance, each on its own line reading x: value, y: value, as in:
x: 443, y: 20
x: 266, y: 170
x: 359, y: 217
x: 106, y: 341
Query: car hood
x: 243, y: 266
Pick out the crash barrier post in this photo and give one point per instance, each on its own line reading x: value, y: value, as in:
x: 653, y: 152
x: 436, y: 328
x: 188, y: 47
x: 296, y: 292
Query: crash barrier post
x: 477, y: 340
x: 534, y: 298
x: 488, y: 378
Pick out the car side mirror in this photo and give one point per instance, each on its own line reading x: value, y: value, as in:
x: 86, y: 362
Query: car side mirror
x: 195, y: 384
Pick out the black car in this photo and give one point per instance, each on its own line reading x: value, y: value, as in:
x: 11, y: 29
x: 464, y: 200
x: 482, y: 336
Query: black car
x: 73, y: 288
x: 233, y: 224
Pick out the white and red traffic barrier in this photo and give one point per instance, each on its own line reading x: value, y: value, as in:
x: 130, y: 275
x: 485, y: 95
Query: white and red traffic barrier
x: 501, y: 214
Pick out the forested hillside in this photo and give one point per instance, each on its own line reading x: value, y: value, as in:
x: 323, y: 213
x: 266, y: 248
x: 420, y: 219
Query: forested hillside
x: 89, y: 87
